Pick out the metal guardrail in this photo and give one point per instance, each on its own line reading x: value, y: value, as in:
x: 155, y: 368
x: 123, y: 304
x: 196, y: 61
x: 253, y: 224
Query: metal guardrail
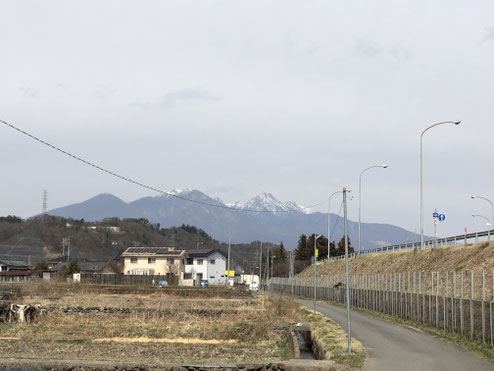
x: 428, y: 243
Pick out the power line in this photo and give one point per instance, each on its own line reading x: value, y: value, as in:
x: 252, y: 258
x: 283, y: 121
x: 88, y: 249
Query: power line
x: 140, y: 184
x: 336, y: 222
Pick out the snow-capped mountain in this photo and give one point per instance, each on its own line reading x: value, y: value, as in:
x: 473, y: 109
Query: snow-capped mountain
x: 267, y: 202
x: 286, y: 221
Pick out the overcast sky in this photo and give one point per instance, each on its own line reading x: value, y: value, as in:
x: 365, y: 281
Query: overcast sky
x: 238, y: 97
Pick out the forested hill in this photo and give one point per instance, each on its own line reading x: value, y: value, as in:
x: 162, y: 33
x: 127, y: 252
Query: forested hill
x: 42, y: 238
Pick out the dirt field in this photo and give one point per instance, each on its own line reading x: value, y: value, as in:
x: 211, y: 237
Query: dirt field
x: 228, y: 327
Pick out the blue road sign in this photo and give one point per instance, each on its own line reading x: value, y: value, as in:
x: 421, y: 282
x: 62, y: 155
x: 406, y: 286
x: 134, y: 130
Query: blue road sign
x: 441, y: 217
x: 435, y: 215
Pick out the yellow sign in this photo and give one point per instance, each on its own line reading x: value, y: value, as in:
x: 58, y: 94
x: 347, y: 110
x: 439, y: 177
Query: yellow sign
x: 232, y: 273
x: 317, y: 253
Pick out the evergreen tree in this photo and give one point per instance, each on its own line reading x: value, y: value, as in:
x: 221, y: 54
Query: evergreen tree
x: 303, y: 251
x: 341, y: 247
x: 280, y: 254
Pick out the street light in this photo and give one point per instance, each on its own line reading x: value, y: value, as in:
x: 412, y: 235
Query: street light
x: 360, y: 198
x: 488, y: 223
x: 489, y: 201
x: 421, y: 180
x: 315, y: 261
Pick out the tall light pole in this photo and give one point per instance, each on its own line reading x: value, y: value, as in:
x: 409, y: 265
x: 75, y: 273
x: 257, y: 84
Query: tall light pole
x: 315, y: 278
x: 421, y: 179
x: 360, y: 198
x: 347, y: 274
x: 229, y: 248
x: 329, y: 222
x: 488, y: 223
x: 489, y: 201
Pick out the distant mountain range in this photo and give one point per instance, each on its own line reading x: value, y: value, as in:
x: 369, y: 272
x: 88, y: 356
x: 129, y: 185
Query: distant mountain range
x: 285, y: 222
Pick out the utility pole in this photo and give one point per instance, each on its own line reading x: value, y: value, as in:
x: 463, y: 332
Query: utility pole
x: 347, y: 275
x: 68, y: 249
x: 260, y: 266
x: 267, y: 265
x: 272, y: 265
x: 229, y: 247
x: 292, y: 273
x: 315, y: 268
x: 45, y: 203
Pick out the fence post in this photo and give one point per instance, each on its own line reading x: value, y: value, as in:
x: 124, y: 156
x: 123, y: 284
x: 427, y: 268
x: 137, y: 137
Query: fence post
x: 445, y: 303
x: 471, y: 305
x: 414, y: 295
x: 437, y: 299
x: 431, y: 320
x: 483, y: 306
x: 462, y: 322
x: 453, y: 304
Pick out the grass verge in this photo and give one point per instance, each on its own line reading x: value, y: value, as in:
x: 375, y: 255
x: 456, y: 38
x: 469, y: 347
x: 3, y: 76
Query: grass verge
x: 333, y: 339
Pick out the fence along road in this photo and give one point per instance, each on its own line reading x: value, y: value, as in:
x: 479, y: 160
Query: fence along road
x: 393, y: 347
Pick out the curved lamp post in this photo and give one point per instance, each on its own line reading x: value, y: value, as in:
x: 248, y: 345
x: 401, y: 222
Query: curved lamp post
x: 489, y: 201
x: 488, y: 223
x: 421, y: 179
x: 360, y: 198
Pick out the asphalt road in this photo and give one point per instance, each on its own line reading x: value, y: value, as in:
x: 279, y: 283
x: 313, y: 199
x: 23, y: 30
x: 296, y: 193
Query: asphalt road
x: 397, y: 348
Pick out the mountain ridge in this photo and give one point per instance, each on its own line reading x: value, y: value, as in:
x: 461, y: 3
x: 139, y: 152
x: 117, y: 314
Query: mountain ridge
x: 285, y: 220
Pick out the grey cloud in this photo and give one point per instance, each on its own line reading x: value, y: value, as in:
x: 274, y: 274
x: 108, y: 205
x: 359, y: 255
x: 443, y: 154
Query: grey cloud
x: 29, y: 92
x: 367, y: 49
x: 312, y: 49
x: 104, y: 91
x: 169, y: 99
x: 489, y: 33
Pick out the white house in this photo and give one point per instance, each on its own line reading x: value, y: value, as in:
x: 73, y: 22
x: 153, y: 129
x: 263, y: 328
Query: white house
x: 206, y: 264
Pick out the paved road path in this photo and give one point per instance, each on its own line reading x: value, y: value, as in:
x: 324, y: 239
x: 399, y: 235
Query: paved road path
x: 397, y: 348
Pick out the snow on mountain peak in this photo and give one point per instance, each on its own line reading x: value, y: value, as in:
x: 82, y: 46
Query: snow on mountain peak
x: 267, y: 202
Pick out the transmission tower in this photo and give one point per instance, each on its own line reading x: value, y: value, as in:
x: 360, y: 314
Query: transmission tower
x: 45, y: 200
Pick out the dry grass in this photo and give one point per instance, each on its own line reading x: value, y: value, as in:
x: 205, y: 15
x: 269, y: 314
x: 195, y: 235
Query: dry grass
x: 334, y: 340
x: 477, y: 257
x: 256, y: 330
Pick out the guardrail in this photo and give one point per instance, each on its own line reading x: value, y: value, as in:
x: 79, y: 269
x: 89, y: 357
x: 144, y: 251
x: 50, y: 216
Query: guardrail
x: 428, y: 243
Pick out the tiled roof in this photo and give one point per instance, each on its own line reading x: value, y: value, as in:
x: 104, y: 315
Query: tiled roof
x: 14, y: 263
x: 84, y: 266
x: 203, y: 252
x: 151, y: 251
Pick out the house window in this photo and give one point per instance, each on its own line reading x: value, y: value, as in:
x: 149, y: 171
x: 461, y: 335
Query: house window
x: 187, y: 276
x: 133, y: 260
x: 171, y: 260
x: 200, y: 261
x: 151, y: 260
x: 190, y: 261
x: 212, y: 261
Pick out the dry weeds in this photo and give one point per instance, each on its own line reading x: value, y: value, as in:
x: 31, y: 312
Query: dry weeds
x: 477, y: 257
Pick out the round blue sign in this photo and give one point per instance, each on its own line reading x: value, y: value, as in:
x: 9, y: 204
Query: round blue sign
x: 441, y: 217
x: 435, y: 215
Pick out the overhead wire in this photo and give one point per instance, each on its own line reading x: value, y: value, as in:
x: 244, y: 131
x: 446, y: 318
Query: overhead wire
x: 140, y: 184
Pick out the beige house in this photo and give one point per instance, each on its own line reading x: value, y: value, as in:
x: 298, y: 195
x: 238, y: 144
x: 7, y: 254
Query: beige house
x: 154, y: 261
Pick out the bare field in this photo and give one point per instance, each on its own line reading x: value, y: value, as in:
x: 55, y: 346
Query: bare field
x: 255, y: 332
